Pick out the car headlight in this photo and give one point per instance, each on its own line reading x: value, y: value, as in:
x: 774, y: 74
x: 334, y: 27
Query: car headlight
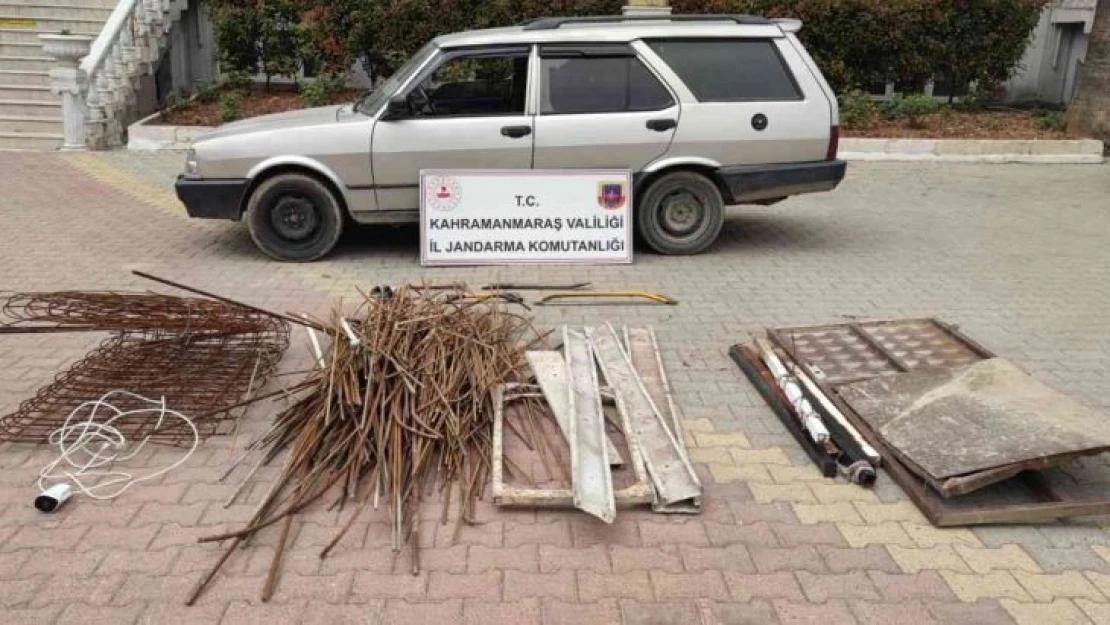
x: 192, y: 168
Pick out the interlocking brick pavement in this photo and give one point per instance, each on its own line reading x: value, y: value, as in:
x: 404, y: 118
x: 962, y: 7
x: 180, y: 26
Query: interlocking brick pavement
x: 1016, y: 255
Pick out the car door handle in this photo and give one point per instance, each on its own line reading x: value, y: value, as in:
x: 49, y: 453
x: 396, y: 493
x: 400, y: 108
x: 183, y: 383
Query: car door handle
x: 516, y: 132
x: 660, y: 125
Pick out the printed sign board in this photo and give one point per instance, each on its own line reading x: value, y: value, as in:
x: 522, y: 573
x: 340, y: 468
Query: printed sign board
x: 495, y: 217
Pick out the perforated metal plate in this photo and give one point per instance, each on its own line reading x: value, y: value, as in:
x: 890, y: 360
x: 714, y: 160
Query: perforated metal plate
x: 852, y: 352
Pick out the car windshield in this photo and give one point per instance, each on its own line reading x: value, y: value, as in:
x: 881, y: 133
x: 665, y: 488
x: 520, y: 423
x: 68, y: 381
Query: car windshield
x: 374, y: 100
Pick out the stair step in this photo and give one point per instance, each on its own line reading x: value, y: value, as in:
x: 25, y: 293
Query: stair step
x: 19, y: 35
x: 39, y: 9
x: 90, y: 28
x: 30, y: 77
x: 30, y: 123
x: 30, y: 141
x: 28, y: 93
x: 103, y: 4
x: 20, y: 49
x: 30, y: 108
x: 27, y: 63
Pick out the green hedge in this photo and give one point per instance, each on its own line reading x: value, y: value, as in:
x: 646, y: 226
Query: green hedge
x: 856, y: 42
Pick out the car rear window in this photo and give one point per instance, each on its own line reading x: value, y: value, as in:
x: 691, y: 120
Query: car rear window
x: 600, y: 85
x: 729, y: 70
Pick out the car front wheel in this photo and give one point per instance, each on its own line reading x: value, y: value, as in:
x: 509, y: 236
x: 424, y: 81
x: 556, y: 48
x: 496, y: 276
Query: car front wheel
x: 680, y: 213
x: 294, y: 217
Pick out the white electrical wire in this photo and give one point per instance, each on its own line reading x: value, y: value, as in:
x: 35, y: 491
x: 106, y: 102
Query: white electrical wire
x: 85, y: 445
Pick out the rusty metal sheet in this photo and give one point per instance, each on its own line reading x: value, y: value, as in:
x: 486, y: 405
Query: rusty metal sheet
x: 851, y: 352
x: 978, y: 417
x: 1028, y: 496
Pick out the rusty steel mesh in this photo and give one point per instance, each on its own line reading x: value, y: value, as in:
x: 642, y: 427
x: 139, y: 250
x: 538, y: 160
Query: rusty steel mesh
x: 201, y: 355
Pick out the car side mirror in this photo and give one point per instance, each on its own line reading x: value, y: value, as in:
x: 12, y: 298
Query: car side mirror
x: 398, y: 107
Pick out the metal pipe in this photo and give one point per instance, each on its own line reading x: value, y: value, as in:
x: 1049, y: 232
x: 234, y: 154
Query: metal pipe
x: 811, y: 420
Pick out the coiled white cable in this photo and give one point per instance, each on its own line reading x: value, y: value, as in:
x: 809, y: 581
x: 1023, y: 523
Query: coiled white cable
x: 85, y: 445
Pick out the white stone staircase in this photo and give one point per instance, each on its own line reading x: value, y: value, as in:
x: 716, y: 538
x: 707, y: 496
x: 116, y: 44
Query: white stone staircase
x: 30, y: 115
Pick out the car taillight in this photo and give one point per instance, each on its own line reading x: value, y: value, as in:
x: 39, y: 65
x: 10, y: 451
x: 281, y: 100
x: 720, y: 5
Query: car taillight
x: 834, y: 143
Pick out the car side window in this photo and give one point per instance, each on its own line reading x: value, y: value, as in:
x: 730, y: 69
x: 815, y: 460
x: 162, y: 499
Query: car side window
x: 599, y: 84
x: 473, y: 86
x: 729, y: 70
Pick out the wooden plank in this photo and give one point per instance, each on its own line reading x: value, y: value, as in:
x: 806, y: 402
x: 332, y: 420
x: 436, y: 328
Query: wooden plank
x: 592, y: 480
x: 670, y: 471
x: 551, y: 373
x: 643, y: 352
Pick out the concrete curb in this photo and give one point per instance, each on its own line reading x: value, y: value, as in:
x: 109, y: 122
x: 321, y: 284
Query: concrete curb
x: 147, y: 135
x: 1066, y: 151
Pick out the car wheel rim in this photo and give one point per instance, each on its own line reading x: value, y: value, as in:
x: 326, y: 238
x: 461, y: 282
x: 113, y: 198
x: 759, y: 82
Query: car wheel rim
x: 294, y: 218
x: 682, y: 213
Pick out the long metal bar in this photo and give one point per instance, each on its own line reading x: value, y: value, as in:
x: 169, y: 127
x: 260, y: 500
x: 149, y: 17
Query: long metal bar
x: 592, y: 481
x: 671, y: 474
x: 550, y: 369
x: 811, y: 421
x: 647, y: 297
x: 228, y: 300
x: 750, y: 363
x: 834, y: 414
x: 643, y: 353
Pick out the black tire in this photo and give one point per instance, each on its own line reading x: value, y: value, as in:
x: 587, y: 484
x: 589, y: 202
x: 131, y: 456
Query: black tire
x: 294, y: 217
x: 680, y: 213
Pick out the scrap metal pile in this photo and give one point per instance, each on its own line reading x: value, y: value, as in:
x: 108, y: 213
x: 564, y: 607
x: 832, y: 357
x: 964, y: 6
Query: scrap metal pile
x: 400, y: 406
x: 969, y: 436
x: 597, y: 427
x: 202, y: 356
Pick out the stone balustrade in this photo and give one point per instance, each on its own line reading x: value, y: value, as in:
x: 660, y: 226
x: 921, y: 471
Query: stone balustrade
x: 99, y: 79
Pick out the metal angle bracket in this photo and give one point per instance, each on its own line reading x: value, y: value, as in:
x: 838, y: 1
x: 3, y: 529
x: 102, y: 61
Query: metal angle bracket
x: 670, y: 471
x: 589, y: 458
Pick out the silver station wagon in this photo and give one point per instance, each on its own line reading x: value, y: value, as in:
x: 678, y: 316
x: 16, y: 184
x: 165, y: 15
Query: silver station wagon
x: 705, y: 110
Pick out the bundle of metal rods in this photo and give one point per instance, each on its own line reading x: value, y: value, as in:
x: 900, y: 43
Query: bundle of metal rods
x: 201, y: 355
x: 401, y: 407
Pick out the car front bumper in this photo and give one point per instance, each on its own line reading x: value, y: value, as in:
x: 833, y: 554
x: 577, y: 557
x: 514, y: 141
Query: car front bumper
x: 766, y: 182
x: 212, y: 199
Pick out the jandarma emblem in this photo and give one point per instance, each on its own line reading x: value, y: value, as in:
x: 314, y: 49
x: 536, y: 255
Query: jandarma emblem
x: 442, y: 193
x: 610, y: 195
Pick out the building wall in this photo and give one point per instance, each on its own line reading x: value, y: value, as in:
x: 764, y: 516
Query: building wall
x: 1054, y: 55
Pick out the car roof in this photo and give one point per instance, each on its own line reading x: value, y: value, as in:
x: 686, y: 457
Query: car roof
x: 617, y: 29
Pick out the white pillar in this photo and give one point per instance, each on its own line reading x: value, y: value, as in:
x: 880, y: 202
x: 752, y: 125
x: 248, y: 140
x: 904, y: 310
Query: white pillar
x: 69, y: 80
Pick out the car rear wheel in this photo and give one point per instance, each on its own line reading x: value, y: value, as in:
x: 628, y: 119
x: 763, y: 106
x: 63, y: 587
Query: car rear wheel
x: 680, y: 213
x: 294, y: 217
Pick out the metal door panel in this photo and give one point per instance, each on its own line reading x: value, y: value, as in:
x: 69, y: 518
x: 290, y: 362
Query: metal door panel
x: 620, y: 140
x: 797, y: 130
x: 402, y: 148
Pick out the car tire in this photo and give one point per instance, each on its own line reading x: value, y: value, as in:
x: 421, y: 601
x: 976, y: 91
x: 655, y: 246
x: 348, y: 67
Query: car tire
x: 294, y: 218
x: 680, y: 213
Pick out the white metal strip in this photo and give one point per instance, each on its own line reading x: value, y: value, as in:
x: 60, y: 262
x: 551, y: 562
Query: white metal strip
x: 551, y: 373
x: 670, y: 471
x: 593, y: 481
x: 643, y: 351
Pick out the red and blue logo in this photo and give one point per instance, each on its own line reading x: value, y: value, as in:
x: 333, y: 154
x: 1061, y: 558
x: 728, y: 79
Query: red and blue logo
x: 611, y: 195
